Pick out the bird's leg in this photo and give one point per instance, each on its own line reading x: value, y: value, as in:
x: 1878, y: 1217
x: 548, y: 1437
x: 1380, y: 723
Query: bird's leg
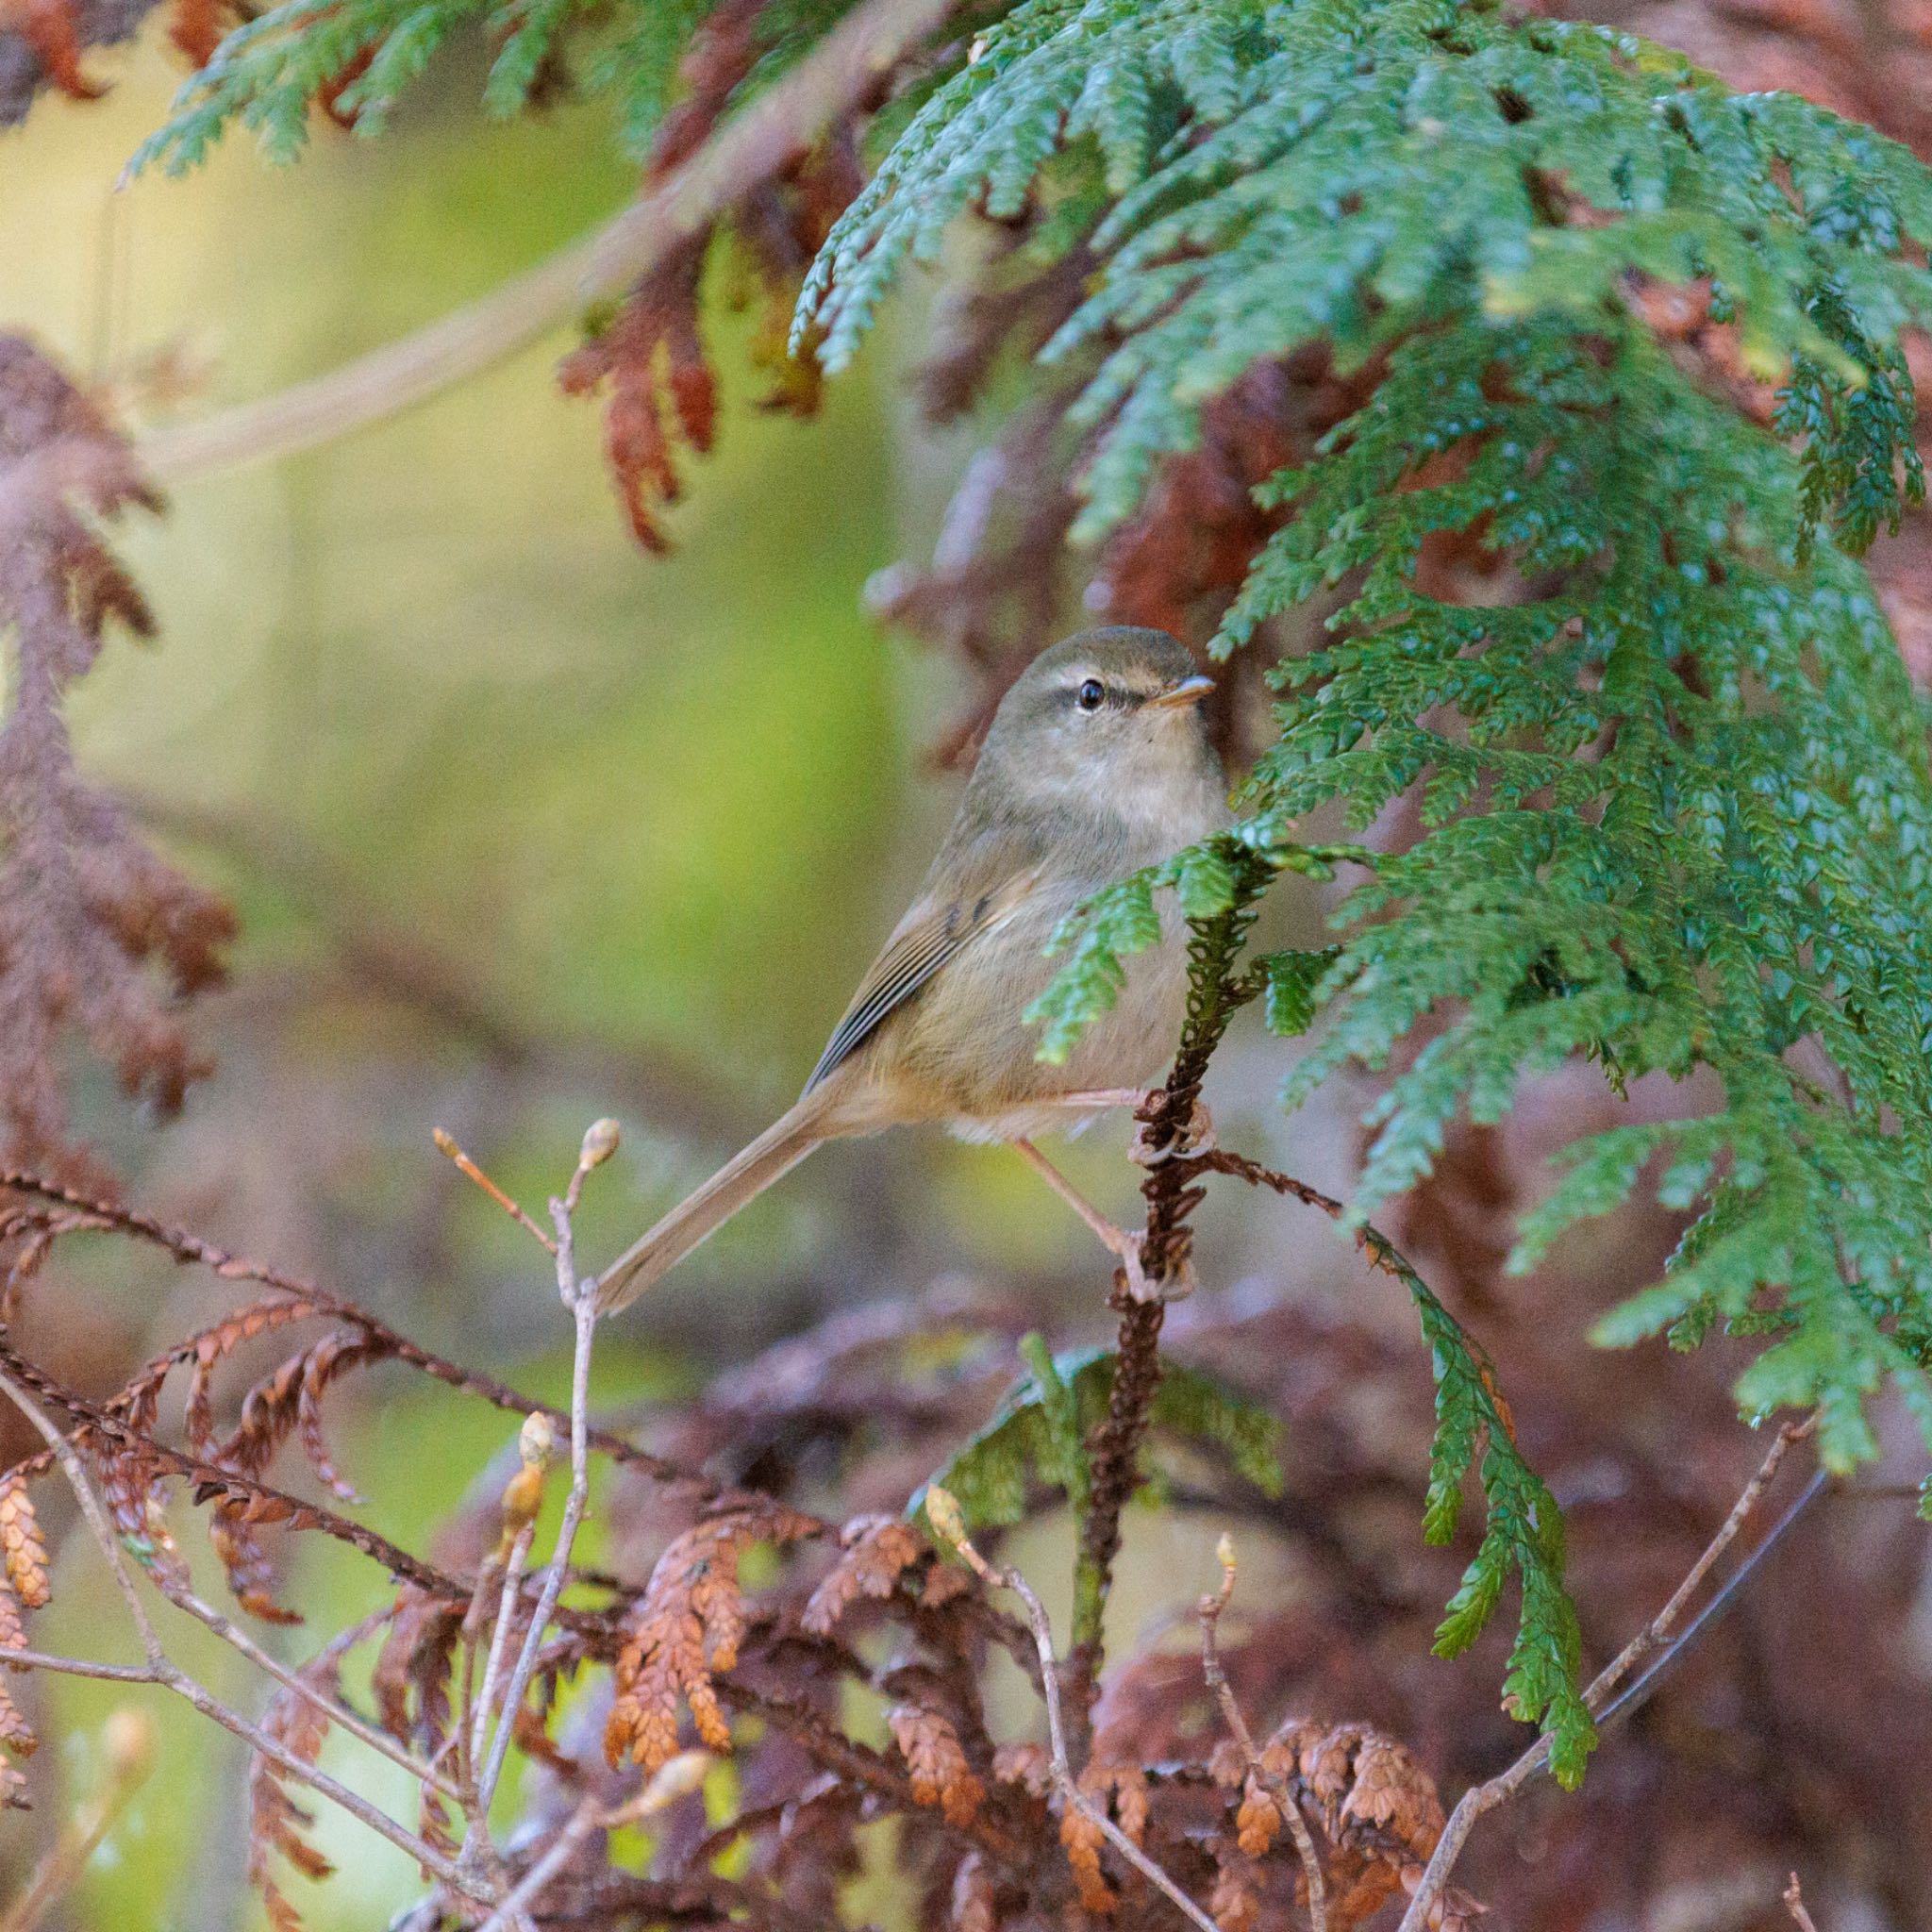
x: 1125, y: 1247
x: 1198, y: 1136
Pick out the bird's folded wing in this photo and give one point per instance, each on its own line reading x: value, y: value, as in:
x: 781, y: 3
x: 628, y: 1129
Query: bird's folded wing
x: 929, y: 935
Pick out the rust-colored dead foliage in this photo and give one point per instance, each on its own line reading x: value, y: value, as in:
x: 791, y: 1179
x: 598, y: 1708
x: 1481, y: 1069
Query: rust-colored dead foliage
x: 933, y: 1754
x: 671, y: 1641
x: 650, y: 355
x: 688, y: 1627
x: 90, y: 918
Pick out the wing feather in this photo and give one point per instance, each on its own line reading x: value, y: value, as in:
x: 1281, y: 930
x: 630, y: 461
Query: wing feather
x: 928, y: 938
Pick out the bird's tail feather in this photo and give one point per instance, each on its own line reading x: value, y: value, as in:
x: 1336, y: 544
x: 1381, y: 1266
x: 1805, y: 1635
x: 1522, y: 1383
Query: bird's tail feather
x: 707, y: 1208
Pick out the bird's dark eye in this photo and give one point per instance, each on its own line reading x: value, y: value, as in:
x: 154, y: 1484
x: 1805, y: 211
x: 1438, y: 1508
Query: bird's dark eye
x: 1090, y: 695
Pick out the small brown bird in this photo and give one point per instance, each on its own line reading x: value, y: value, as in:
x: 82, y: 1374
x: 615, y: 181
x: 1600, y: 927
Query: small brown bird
x: 1097, y: 763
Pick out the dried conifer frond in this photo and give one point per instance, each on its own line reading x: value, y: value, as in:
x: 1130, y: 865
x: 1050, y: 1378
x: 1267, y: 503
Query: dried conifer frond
x: 1024, y: 1765
x: 15, y: 1732
x: 86, y: 910
x: 412, y: 1669
x: 689, y: 1625
x: 22, y: 1546
x: 277, y: 1823
x: 651, y: 353
x: 876, y: 1553
x: 937, y: 1759
x: 285, y: 1402
x: 12, y: 1623
x: 1234, y: 1901
x: 1120, y: 1790
x: 250, y: 1572
x: 140, y: 1400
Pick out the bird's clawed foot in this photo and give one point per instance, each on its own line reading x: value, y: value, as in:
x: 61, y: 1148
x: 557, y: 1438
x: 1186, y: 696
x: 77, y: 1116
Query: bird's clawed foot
x: 1196, y: 1137
x: 1142, y: 1287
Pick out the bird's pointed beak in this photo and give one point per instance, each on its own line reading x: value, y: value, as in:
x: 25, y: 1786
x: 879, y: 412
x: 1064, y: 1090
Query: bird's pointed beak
x: 1189, y: 691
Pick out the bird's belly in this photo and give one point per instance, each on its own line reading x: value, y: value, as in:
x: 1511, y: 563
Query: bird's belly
x: 978, y: 1061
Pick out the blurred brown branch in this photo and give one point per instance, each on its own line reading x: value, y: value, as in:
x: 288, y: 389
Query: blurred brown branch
x: 744, y: 152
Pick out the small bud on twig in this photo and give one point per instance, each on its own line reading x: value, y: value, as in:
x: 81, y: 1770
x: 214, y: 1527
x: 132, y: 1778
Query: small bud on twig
x: 446, y: 1144
x: 600, y: 1144
x: 536, y: 1440
x: 942, y: 1511
x: 523, y: 1495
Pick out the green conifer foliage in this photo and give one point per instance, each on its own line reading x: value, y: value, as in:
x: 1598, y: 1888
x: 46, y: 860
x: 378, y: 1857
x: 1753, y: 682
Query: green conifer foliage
x: 1675, y: 796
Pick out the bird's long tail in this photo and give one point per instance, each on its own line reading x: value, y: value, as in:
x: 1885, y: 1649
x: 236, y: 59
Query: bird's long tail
x: 707, y: 1208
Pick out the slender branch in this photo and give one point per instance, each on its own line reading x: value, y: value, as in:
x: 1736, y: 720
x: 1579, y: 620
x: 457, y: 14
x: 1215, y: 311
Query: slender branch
x: 1166, y: 1120
x: 337, y: 1712
x: 77, y: 1666
x: 1656, y: 1634
x: 943, y: 1512
x: 684, y: 1774
x: 446, y: 1145
x: 580, y: 1298
x: 1483, y: 1798
x: 747, y: 150
x: 161, y: 1670
x: 499, y: 1645
x: 1209, y: 1611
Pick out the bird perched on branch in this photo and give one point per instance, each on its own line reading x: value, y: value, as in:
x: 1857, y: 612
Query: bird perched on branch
x: 1097, y: 762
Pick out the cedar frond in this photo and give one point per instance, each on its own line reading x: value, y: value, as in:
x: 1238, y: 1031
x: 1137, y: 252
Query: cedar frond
x: 22, y: 1547
x: 936, y: 1758
x: 277, y: 1823
x: 876, y: 1551
x: 86, y: 910
x: 411, y: 1675
x: 689, y: 1625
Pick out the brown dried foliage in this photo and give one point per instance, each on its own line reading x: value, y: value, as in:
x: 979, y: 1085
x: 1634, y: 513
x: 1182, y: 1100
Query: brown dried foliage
x: 876, y: 1552
x: 1121, y: 1791
x: 87, y: 912
x: 650, y: 354
x: 688, y: 1628
x: 981, y: 1835
x: 1364, y: 1791
x: 277, y: 1823
x: 937, y: 1759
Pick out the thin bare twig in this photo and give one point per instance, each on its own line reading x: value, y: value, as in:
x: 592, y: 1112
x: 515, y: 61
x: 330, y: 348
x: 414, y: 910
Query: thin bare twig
x: 499, y: 1641
x: 1166, y: 1120
x: 746, y: 151
x: 1794, y: 1904
x: 580, y: 1298
x: 1656, y: 1634
x: 684, y: 1774
x: 1481, y: 1799
x: 447, y: 1146
x: 943, y: 1512
x: 161, y: 1670
x: 337, y: 1712
x: 1209, y: 1611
